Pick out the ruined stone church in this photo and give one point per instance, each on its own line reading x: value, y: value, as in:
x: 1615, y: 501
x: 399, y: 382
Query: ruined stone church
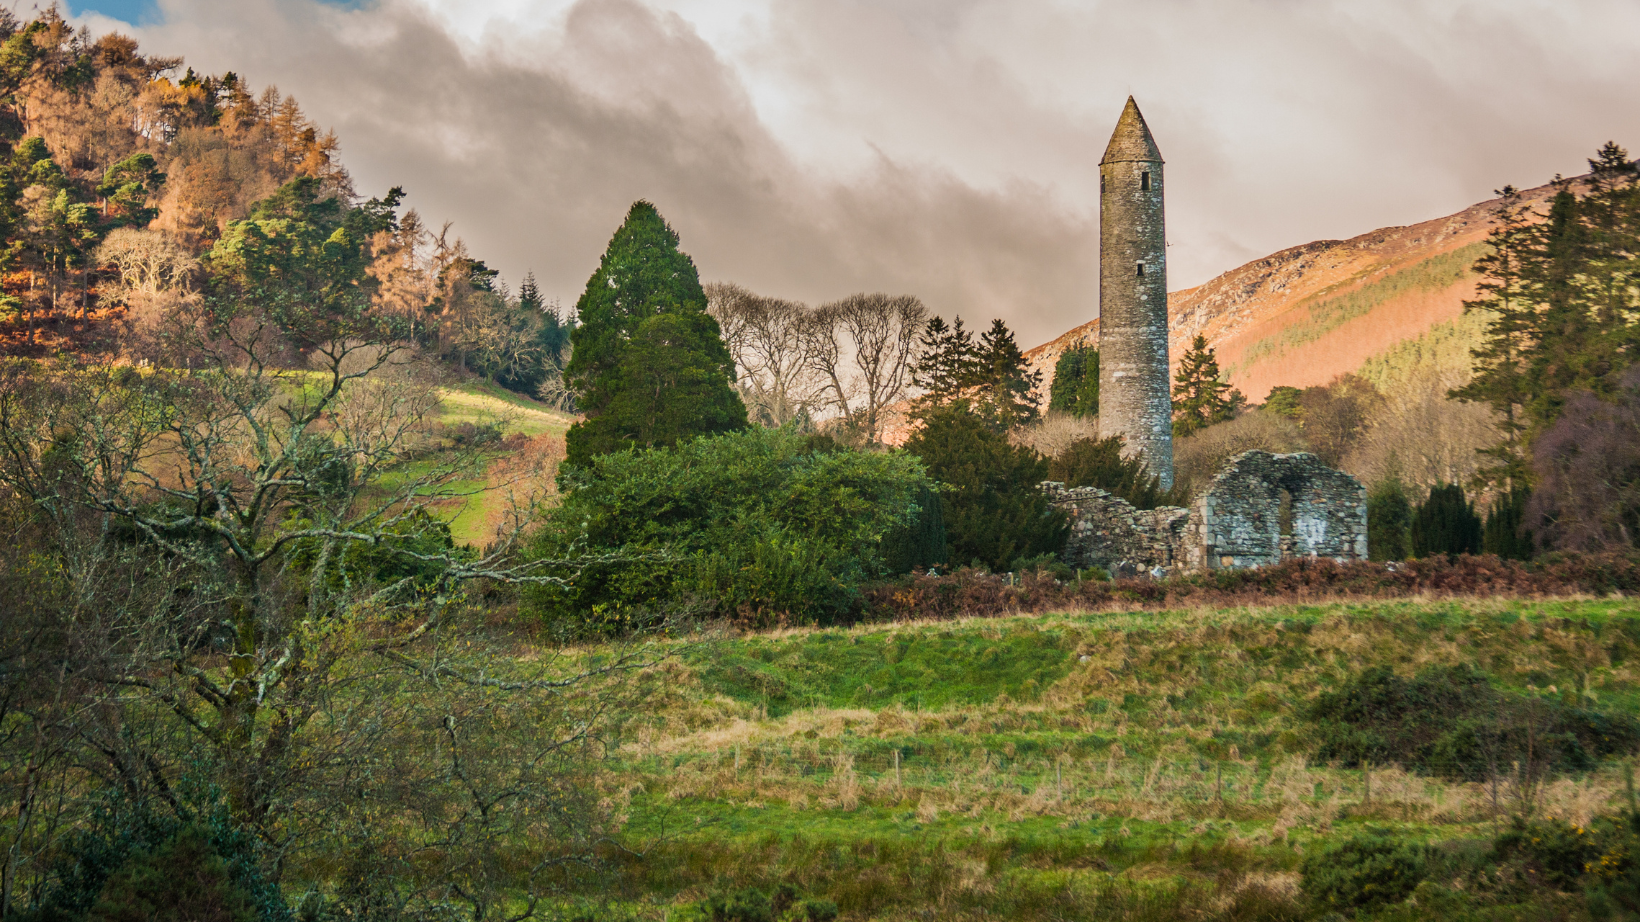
x: 1262, y: 507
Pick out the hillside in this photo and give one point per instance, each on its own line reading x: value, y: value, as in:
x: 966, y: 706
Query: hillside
x: 1339, y: 303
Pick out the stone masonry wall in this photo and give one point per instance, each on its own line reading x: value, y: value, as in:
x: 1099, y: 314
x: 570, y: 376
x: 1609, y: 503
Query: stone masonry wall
x: 1236, y: 522
x: 1107, y: 532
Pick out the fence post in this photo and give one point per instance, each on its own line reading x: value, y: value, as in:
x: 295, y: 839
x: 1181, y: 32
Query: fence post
x: 896, y: 769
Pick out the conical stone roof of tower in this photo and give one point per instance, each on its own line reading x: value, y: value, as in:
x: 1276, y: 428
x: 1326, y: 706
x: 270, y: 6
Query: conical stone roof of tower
x: 1131, y: 140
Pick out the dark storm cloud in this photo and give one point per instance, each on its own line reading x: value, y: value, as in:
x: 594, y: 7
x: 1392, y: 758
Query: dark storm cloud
x: 947, y: 148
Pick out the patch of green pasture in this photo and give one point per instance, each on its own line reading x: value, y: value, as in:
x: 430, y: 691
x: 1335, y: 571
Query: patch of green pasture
x: 482, y: 402
x: 924, y: 669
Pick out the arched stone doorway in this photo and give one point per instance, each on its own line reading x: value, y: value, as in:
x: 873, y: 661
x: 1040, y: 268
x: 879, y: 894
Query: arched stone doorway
x: 1243, y: 519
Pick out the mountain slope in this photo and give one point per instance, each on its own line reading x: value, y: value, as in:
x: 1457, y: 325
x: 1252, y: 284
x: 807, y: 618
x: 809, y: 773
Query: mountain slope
x: 1309, y: 313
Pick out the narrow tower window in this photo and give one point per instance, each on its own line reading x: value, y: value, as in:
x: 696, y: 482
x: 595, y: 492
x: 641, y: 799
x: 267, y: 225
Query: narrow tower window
x: 1141, y: 272
x: 1144, y: 182
x: 1101, y: 182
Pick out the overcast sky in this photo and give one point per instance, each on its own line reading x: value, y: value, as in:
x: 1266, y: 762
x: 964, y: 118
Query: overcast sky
x: 943, y: 148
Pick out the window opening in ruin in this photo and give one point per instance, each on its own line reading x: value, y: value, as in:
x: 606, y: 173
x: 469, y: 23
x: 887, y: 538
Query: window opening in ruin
x: 1101, y: 183
x: 1284, y: 521
x: 1141, y: 272
x: 1144, y: 181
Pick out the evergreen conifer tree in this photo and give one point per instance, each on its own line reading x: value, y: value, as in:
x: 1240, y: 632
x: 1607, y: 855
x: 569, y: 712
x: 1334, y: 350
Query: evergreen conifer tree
x: 1505, y: 533
x: 994, y: 514
x: 1561, y: 306
x: 1389, y: 516
x: 947, y: 363
x: 649, y: 365
x: 1006, y: 385
x: 1200, y: 396
x: 1445, y: 523
x: 1076, y: 382
x: 920, y: 545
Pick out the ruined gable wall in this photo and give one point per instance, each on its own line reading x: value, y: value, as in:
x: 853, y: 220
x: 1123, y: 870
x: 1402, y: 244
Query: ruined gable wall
x: 1235, y: 523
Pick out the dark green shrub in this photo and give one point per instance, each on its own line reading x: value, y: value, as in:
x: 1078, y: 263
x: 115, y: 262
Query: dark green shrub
x: 1076, y: 382
x: 994, y: 512
x: 752, y: 523
x: 183, y: 880
x: 1450, y: 721
x: 1445, y: 523
x: 127, y: 851
x: 1389, y: 516
x: 1045, y: 564
x: 1612, y: 886
x: 1099, y: 463
x: 1367, y: 872
x: 921, y: 543
x: 1550, y: 852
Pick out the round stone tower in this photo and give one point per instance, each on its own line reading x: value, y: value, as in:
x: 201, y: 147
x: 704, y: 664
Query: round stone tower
x: 1134, y: 400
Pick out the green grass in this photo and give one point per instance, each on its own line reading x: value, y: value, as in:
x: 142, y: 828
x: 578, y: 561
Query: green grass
x: 1323, y: 313
x: 482, y: 402
x: 998, y: 768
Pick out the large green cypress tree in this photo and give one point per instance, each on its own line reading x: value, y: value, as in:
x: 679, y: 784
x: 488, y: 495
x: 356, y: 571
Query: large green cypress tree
x: 1505, y: 533
x: 1389, y: 516
x: 649, y: 365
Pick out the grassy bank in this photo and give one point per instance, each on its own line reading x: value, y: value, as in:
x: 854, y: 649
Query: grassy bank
x: 1120, y: 765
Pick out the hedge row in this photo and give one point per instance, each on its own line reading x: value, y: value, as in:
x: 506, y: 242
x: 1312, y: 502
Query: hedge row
x: 977, y: 593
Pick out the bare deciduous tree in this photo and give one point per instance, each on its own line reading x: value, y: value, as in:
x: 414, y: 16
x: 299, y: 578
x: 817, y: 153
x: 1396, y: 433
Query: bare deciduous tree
x: 862, y: 348
x: 149, y: 261
x: 765, y: 337
x: 255, y: 582
x: 1422, y: 436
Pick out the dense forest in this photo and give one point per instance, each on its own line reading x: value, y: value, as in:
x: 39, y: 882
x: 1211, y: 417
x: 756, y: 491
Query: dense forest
x: 134, y: 188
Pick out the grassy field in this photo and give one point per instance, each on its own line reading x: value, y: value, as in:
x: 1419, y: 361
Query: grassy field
x: 1103, y: 765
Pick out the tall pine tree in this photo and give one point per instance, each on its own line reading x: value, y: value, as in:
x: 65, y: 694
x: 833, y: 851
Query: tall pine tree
x: 1561, y: 302
x: 1007, y: 386
x: 1200, y: 395
x: 947, y: 363
x: 649, y: 366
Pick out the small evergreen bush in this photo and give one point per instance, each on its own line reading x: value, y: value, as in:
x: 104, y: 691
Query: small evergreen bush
x: 1099, y: 463
x: 183, y: 880
x: 1364, y: 873
x: 1551, y: 852
x: 1505, y: 533
x: 1389, y: 516
x: 1451, y: 721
